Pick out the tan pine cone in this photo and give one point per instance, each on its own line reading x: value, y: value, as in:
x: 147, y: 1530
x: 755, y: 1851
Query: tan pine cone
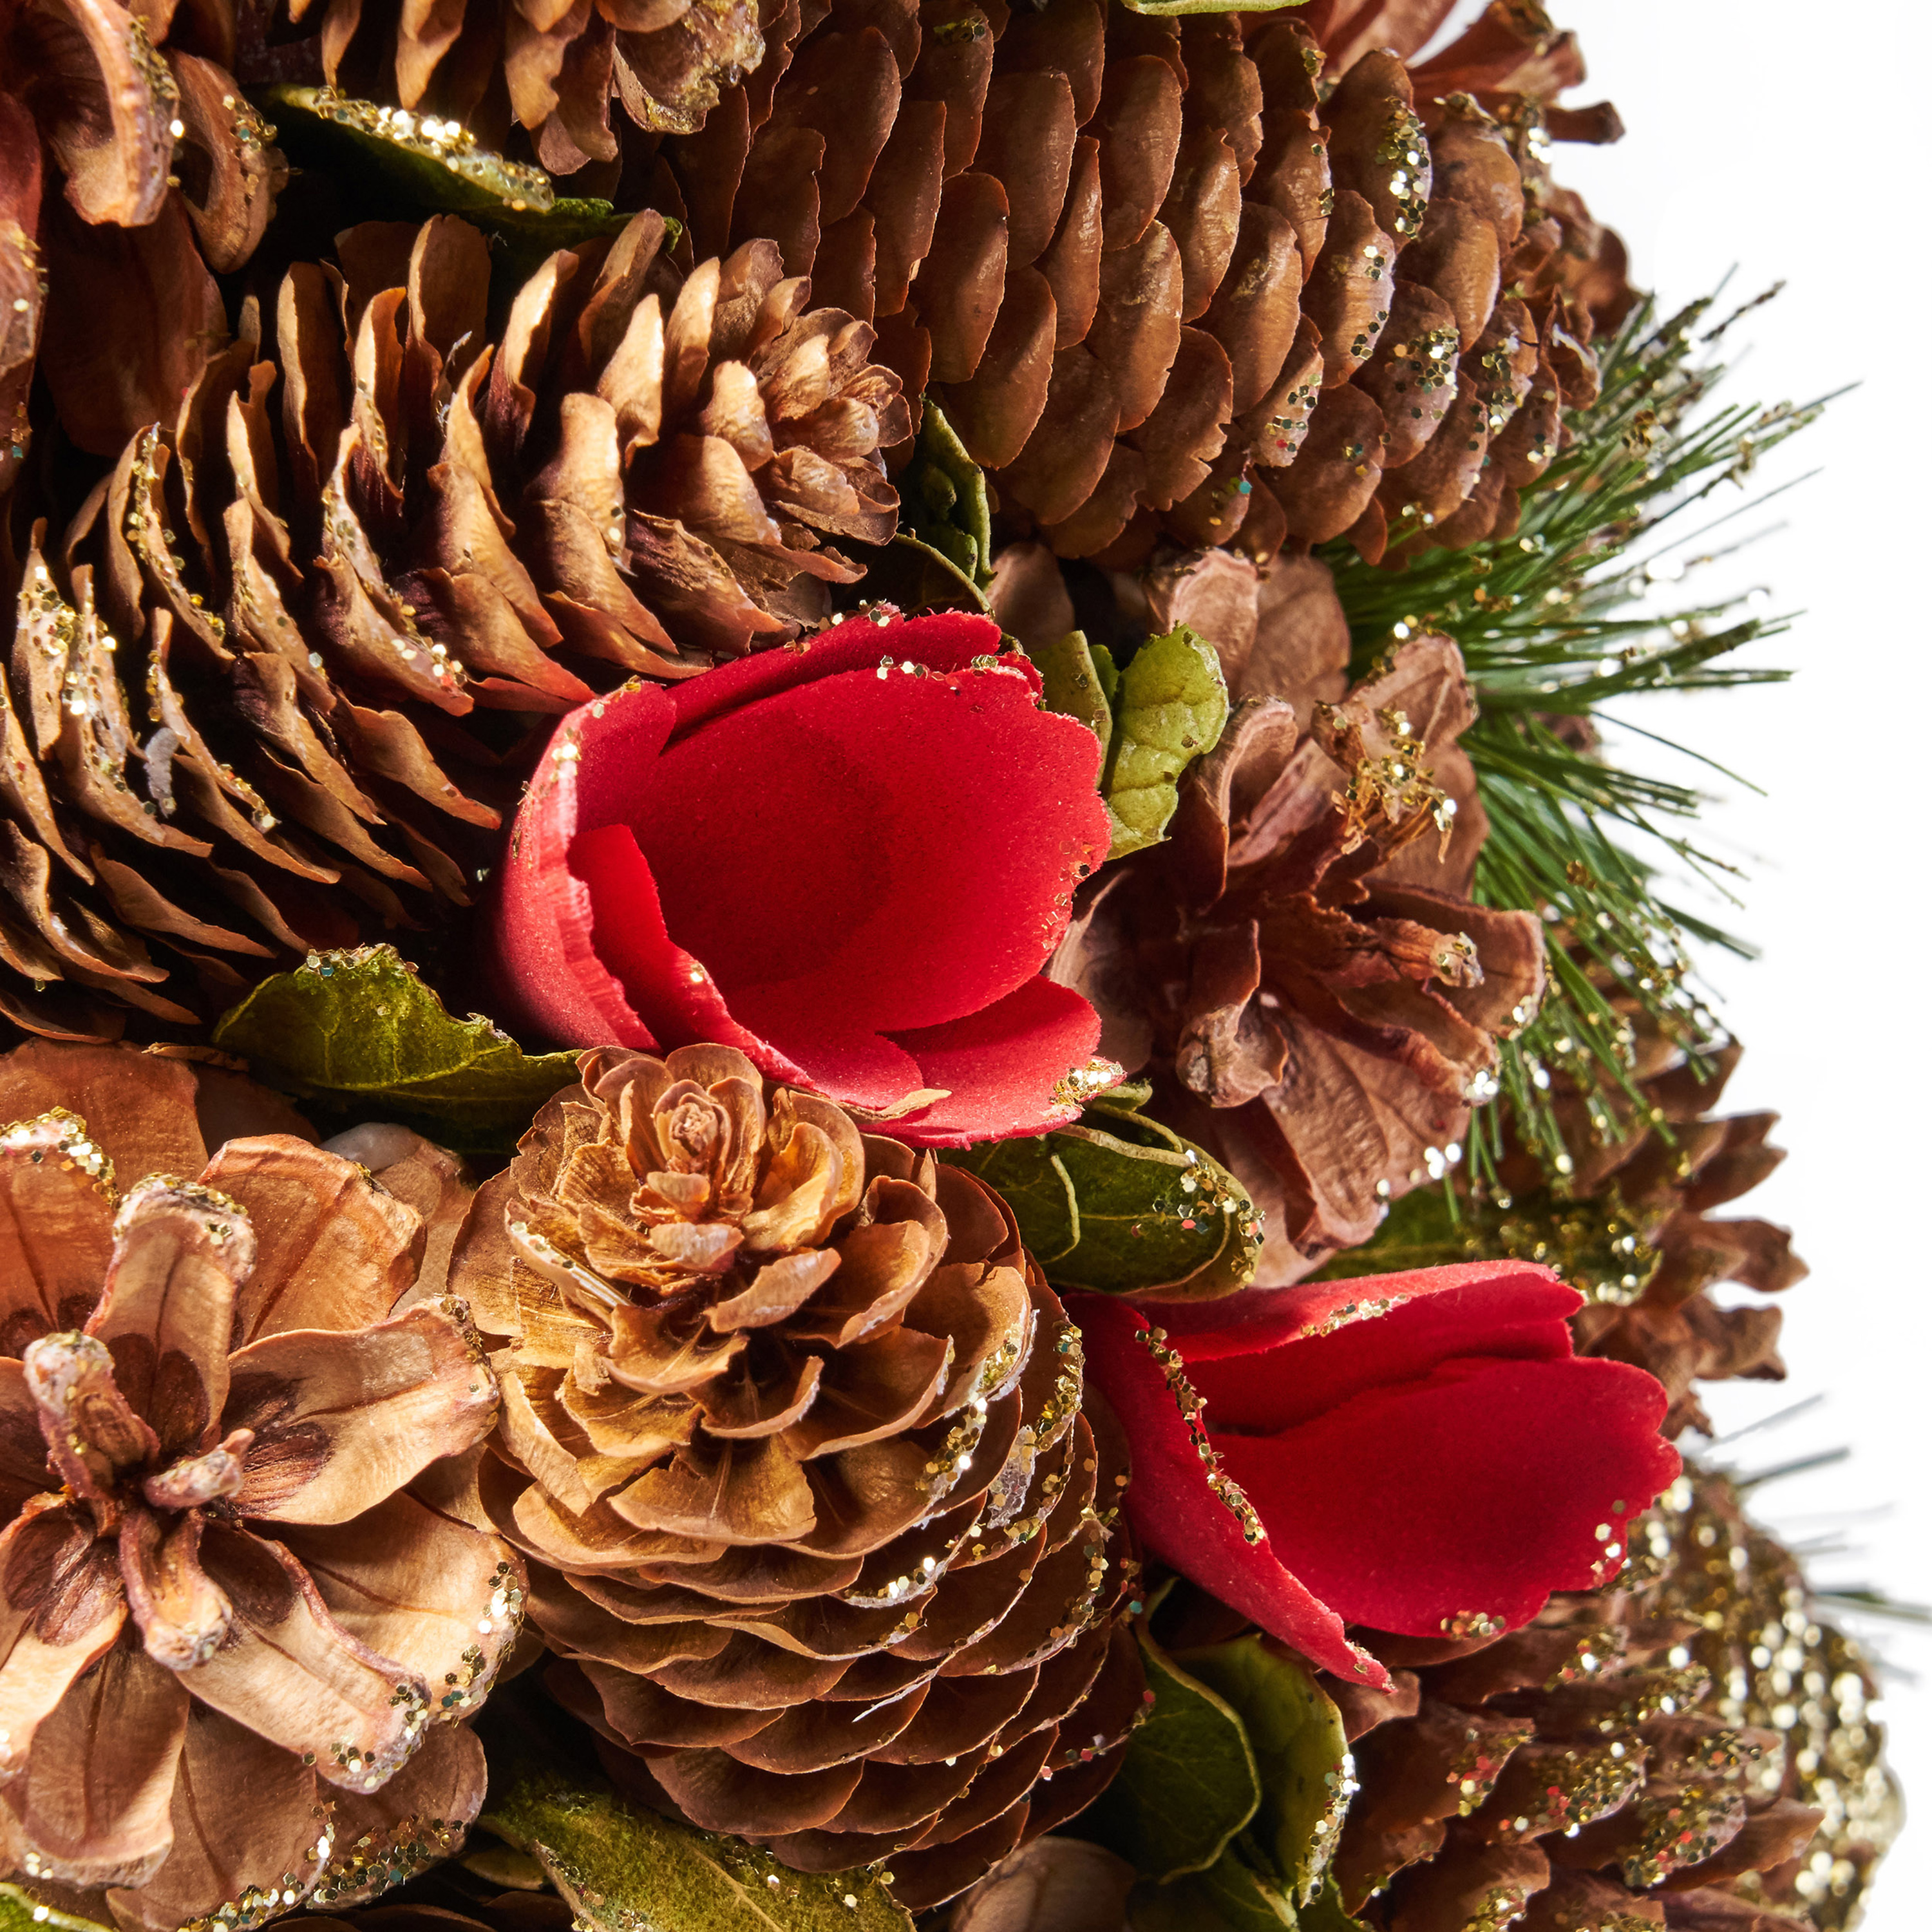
x: 1692, y: 1749
x: 345, y: 551
x: 794, y: 1432
x: 549, y: 71
x: 1179, y: 277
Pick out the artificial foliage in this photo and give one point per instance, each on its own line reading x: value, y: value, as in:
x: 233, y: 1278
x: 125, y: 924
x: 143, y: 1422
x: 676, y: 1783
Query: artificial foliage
x: 852, y: 1078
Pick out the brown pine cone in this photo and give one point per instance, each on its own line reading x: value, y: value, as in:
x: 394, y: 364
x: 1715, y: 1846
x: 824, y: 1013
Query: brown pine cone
x: 1692, y: 1749
x: 330, y: 593
x: 1676, y: 1161
x: 551, y: 71
x: 156, y: 171
x: 1175, y: 276
x: 795, y: 1433
x: 1299, y: 966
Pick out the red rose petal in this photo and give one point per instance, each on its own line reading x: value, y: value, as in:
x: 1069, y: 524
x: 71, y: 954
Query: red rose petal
x: 1493, y: 1310
x: 1179, y: 1518
x: 1478, y: 1490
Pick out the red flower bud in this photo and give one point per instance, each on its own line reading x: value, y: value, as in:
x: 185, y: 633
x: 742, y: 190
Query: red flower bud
x: 847, y: 858
x: 1418, y: 1452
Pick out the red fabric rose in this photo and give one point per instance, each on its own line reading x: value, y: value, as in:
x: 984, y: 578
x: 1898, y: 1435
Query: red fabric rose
x: 847, y: 858
x: 1423, y: 1452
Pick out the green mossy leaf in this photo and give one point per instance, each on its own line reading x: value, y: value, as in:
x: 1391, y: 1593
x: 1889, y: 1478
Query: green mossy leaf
x: 382, y: 154
x: 1075, y: 685
x: 1299, y: 1744
x: 360, y: 1027
x: 623, y: 1869
x: 1104, y: 1205
x: 943, y: 500
x: 21, y: 1911
x: 1170, y: 709
x: 1187, y: 1784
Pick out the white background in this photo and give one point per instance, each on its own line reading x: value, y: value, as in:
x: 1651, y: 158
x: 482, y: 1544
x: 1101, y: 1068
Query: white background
x: 1790, y: 141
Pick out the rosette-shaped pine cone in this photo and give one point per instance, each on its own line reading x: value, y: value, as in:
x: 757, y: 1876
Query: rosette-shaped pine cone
x: 551, y: 71
x: 1677, y: 1161
x: 242, y: 1622
x: 795, y: 1435
x: 1690, y: 1749
x: 1182, y: 275
x: 325, y: 594
x: 1299, y: 966
x: 130, y: 170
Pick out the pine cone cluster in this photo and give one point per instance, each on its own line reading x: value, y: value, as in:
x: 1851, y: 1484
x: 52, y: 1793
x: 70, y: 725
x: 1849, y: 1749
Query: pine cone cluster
x: 1228, y: 279
x: 229, y: 1569
x: 795, y: 1435
x: 1299, y: 967
x: 368, y: 528
x: 1693, y: 1748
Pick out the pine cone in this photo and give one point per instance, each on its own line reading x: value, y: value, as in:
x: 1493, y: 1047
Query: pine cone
x: 1693, y: 1748
x: 795, y: 1433
x: 332, y: 595
x: 1162, y: 275
x: 158, y: 172
x: 1299, y: 966
x: 550, y: 71
x: 1655, y: 1309
x: 230, y: 1565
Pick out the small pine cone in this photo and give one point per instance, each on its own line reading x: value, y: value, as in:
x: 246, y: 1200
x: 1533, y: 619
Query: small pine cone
x: 1692, y: 1748
x: 333, y: 592
x: 1165, y: 277
x: 1660, y: 1192
x: 543, y: 76
x: 156, y: 171
x: 795, y: 1433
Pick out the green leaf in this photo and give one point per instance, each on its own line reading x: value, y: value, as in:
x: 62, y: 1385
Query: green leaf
x: 621, y: 1868
x: 1209, y: 6
x: 1323, y: 1912
x: 411, y: 164
x: 21, y: 1911
x: 1124, y: 1206
x: 1170, y: 709
x: 943, y: 499
x: 1187, y: 1784
x: 361, y: 1026
x: 1075, y: 685
x: 1299, y: 1744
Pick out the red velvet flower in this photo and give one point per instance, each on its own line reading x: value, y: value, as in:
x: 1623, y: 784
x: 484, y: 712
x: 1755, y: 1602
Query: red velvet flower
x: 1418, y: 1452
x: 847, y: 858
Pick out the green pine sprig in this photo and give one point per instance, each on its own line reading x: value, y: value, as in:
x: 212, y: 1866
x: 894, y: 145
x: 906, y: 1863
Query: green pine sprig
x: 1555, y: 625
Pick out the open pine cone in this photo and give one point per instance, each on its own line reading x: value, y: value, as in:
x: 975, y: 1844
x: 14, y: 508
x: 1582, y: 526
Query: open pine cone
x: 242, y: 1621
x: 1692, y: 1748
x: 1236, y: 279
x: 328, y: 592
x: 1299, y: 966
x: 795, y: 1435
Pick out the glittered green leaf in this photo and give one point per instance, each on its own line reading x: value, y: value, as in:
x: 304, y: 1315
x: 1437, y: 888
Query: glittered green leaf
x: 1299, y: 1744
x: 1123, y: 1205
x: 621, y: 1868
x: 943, y: 499
x: 360, y: 1027
x: 1079, y: 681
x: 1208, y: 6
x: 1169, y: 710
x: 21, y: 1911
x: 1187, y: 1784
x: 412, y: 164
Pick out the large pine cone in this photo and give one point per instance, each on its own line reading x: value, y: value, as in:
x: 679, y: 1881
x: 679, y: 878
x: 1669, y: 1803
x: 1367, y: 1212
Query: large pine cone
x: 1163, y: 275
x: 1693, y: 1749
x: 795, y: 1434
x: 327, y: 591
